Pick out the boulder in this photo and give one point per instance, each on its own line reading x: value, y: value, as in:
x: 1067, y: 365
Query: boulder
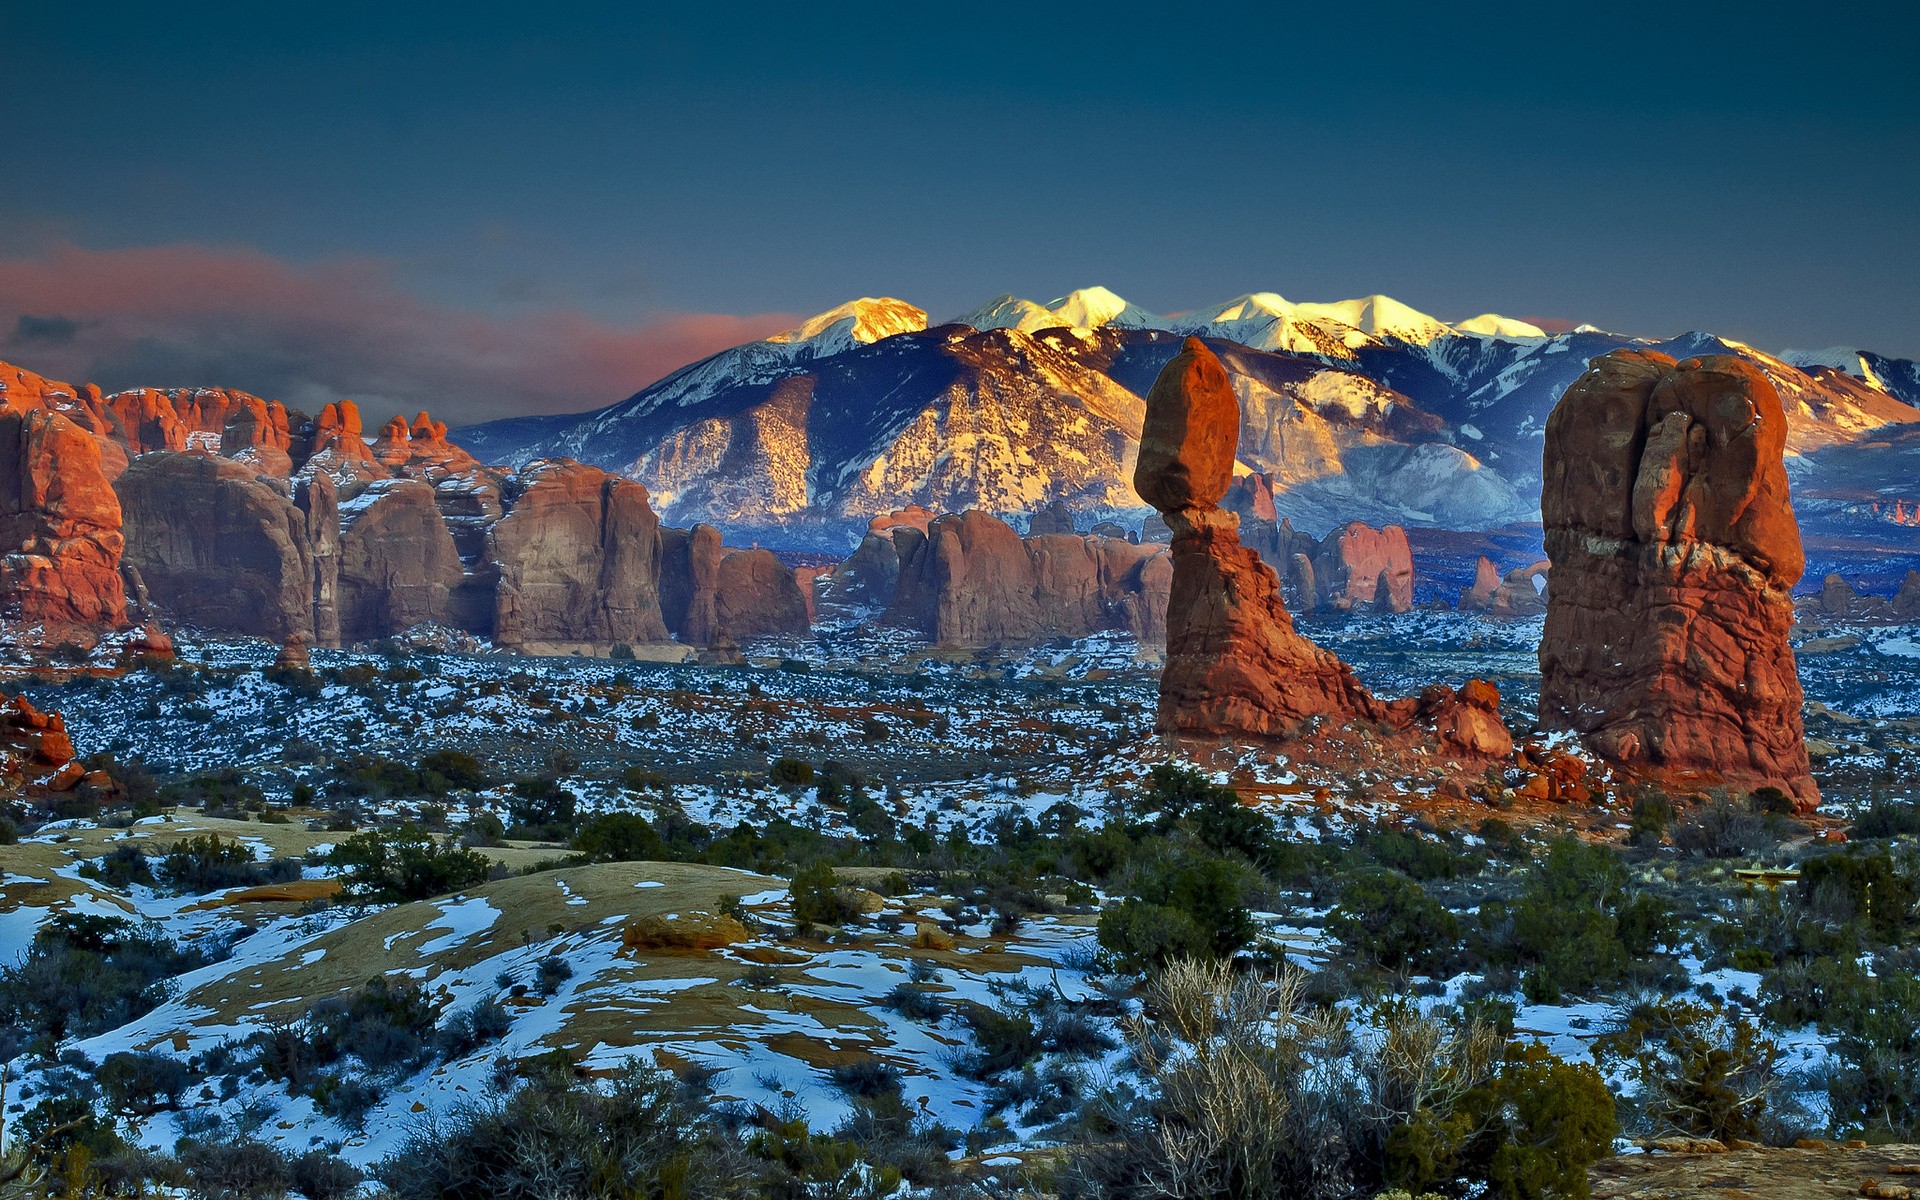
x: 579, y: 560
x: 218, y: 546
x: 1467, y: 723
x: 1674, y: 553
x: 60, y: 532
x: 1234, y: 665
x: 397, y: 563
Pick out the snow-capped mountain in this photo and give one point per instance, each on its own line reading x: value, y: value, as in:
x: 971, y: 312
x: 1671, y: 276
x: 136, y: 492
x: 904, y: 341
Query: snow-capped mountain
x: 1360, y: 409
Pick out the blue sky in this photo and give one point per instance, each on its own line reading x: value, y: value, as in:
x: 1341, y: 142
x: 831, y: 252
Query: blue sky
x: 1649, y: 168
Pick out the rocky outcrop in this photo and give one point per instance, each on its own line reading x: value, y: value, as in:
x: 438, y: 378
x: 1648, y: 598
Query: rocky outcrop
x: 218, y: 546
x: 1486, y: 581
x: 1523, y: 591
x: 318, y: 502
x: 36, y: 755
x: 1674, y: 555
x: 60, y: 537
x: 757, y: 595
x: 1359, y: 568
x: 1234, y: 664
x: 579, y: 559
x: 398, y: 566
x: 967, y: 581
x: 1906, y: 601
x: 421, y: 446
x: 1056, y: 517
x: 256, y: 432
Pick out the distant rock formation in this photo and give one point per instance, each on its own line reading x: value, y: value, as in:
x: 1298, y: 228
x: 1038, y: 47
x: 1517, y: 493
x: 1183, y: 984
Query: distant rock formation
x: 36, y: 755
x: 711, y: 595
x: 579, y: 560
x: 1486, y: 581
x: 1906, y: 601
x: 1359, y: 568
x: 969, y: 580
x: 1674, y: 556
x: 398, y: 566
x: 218, y: 546
x: 1056, y: 517
x: 60, y: 538
x: 1234, y: 664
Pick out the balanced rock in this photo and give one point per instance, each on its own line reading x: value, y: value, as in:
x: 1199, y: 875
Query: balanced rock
x: 60, y: 536
x: 1674, y: 553
x: 1235, y: 665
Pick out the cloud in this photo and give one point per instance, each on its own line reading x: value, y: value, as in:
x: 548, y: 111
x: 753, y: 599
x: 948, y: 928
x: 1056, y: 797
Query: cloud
x: 1552, y: 324
x: 192, y: 315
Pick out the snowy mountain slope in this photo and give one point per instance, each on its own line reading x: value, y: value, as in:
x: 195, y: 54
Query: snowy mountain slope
x: 1360, y: 409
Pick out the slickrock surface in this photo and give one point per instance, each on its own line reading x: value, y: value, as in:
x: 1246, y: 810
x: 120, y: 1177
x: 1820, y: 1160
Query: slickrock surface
x: 1674, y: 556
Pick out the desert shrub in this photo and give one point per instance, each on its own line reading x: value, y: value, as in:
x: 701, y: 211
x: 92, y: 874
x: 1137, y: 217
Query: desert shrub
x: 241, y: 1168
x: 1390, y: 920
x: 818, y: 898
x: 1004, y: 1040
x: 541, y: 808
x: 1181, y: 903
x: 1700, y: 1070
x: 1251, y: 1091
x: 1887, y: 819
x: 1652, y: 819
x: 473, y: 1027
x: 83, y: 975
x: 865, y: 1077
x: 636, y: 1136
x: 126, y: 864
x: 914, y: 1002
x: 790, y: 772
x: 347, y: 1097
x: 318, y: 1175
x: 550, y: 974
x: 1725, y: 828
x: 619, y: 837
x: 1185, y: 799
x: 211, y: 863
x: 1851, y: 887
x: 222, y: 791
x: 443, y: 771
x: 138, y: 1083
x: 1418, y: 857
x: 1874, y: 1087
x: 394, y: 865
x: 1577, y: 926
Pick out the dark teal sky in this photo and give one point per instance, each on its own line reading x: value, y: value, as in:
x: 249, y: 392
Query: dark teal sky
x: 1649, y: 168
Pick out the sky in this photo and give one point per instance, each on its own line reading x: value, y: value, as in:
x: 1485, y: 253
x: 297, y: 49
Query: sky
x: 493, y: 209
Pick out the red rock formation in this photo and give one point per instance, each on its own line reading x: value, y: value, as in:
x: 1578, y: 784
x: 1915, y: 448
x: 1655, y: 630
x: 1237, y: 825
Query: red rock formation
x: 60, y: 539
x: 36, y: 755
x: 256, y: 432
x: 1522, y: 592
x: 1486, y: 581
x: 1906, y: 601
x: 967, y: 582
x: 710, y: 595
x: 318, y: 503
x: 422, y: 445
x: 1467, y: 723
x: 1674, y: 554
x: 336, y: 433
x: 911, y: 517
x: 293, y: 656
x: 397, y: 566
x: 579, y: 561
x: 866, y: 579
x: 1234, y: 664
x: 1359, y: 567
x: 218, y: 546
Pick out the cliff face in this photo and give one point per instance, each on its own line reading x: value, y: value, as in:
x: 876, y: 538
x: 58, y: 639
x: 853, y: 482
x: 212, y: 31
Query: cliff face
x: 60, y: 538
x: 1674, y: 552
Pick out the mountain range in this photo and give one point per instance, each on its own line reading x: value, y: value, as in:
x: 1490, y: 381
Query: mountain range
x: 1361, y: 409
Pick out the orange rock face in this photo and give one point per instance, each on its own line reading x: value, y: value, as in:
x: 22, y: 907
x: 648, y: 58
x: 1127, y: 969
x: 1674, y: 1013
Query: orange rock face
x: 1360, y: 568
x: 1234, y: 664
x: 1674, y: 553
x: 60, y: 539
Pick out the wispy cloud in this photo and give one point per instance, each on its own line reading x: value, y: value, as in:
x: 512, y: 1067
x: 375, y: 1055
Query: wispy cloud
x: 192, y: 315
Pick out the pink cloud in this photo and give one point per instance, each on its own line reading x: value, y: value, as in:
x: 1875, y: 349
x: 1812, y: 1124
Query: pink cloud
x: 1552, y: 324
x: 191, y: 315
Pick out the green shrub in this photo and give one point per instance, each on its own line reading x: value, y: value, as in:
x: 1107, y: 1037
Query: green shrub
x: 210, y: 863
x: 1390, y: 920
x: 619, y: 837
x: 1701, y: 1071
x: 791, y: 772
x: 1182, y: 903
x: 819, y: 899
x: 394, y: 865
